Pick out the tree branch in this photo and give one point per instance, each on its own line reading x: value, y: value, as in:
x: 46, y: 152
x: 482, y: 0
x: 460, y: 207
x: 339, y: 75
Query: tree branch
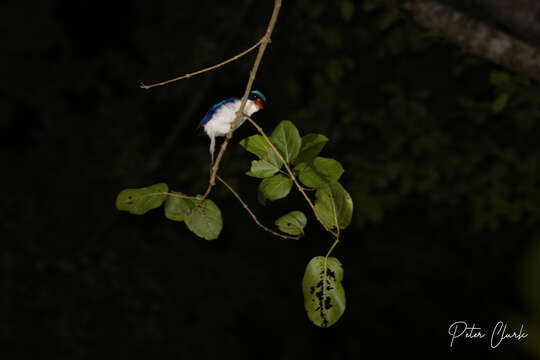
x: 252, y: 214
x: 520, y: 16
x: 476, y: 37
x: 264, y: 42
x: 473, y: 35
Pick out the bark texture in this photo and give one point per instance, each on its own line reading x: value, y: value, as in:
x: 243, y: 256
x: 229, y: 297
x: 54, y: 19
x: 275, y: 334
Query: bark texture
x: 520, y: 16
x: 477, y: 37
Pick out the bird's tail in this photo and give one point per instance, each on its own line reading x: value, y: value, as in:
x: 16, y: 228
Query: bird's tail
x: 212, y: 147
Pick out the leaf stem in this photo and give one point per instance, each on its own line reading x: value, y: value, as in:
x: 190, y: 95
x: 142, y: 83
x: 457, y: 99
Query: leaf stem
x: 252, y: 214
x: 331, y: 249
x: 337, y: 235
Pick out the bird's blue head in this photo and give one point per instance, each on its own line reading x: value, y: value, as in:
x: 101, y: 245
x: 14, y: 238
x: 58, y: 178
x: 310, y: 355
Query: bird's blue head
x: 258, y: 98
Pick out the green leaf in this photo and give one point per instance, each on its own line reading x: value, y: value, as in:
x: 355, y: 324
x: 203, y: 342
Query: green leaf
x: 205, y: 219
x: 275, y: 187
x: 334, y: 206
x: 260, y: 198
x: 273, y: 158
x: 287, y: 140
x: 500, y: 103
x: 324, y: 296
x: 319, y: 172
x: 139, y: 201
x: 255, y: 144
x: 262, y: 169
x: 202, y: 218
x: 292, y: 223
x: 312, y: 145
x: 178, y: 208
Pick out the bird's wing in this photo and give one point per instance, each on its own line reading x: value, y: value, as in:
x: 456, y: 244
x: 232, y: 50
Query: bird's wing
x: 213, y: 109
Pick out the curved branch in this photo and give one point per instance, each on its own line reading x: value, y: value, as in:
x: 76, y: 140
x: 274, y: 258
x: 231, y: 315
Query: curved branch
x: 187, y: 76
x: 252, y: 214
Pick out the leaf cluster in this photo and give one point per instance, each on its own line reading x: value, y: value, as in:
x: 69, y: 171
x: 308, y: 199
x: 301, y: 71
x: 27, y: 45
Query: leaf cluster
x: 332, y: 202
x: 202, y: 217
x: 324, y: 295
x: 333, y: 207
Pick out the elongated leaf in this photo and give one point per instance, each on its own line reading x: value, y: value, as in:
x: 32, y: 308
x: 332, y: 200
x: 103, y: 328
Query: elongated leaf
x: 312, y: 144
x: 334, y: 206
x: 324, y: 296
x: 275, y: 187
x: 205, y: 219
x: 262, y: 169
x: 499, y: 103
x: 178, y: 208
x: 319, y: 172
x: 139, y: 201
x: 292, y: 223
x: 287, y: 140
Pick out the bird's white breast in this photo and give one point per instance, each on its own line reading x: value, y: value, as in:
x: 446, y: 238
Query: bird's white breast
x: 221, y: 122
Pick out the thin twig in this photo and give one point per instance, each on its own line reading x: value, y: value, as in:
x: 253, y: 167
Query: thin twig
x: 252, y: 214
x: 264, y: 42
x: 293, y: 178
x: 187, y: 76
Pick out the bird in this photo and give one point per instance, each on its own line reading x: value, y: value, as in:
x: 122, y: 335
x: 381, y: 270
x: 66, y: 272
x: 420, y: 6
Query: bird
x: 218, y: 120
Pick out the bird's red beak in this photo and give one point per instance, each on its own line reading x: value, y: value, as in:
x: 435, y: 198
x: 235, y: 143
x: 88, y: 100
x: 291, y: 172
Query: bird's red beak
x: 259, y: 103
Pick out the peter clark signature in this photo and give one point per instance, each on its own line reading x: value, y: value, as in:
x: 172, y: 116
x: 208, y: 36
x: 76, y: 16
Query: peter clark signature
x: 460, y: 329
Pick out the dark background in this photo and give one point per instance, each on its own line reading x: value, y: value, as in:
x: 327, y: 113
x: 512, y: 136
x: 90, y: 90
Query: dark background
x: 444, y: 179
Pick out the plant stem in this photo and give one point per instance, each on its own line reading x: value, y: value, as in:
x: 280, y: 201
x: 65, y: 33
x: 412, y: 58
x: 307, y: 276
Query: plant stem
x: 331, y: 249
x: 252, y: 214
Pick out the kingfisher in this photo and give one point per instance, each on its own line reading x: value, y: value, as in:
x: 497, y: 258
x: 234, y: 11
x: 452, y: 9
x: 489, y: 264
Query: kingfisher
x: 218, y: 120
